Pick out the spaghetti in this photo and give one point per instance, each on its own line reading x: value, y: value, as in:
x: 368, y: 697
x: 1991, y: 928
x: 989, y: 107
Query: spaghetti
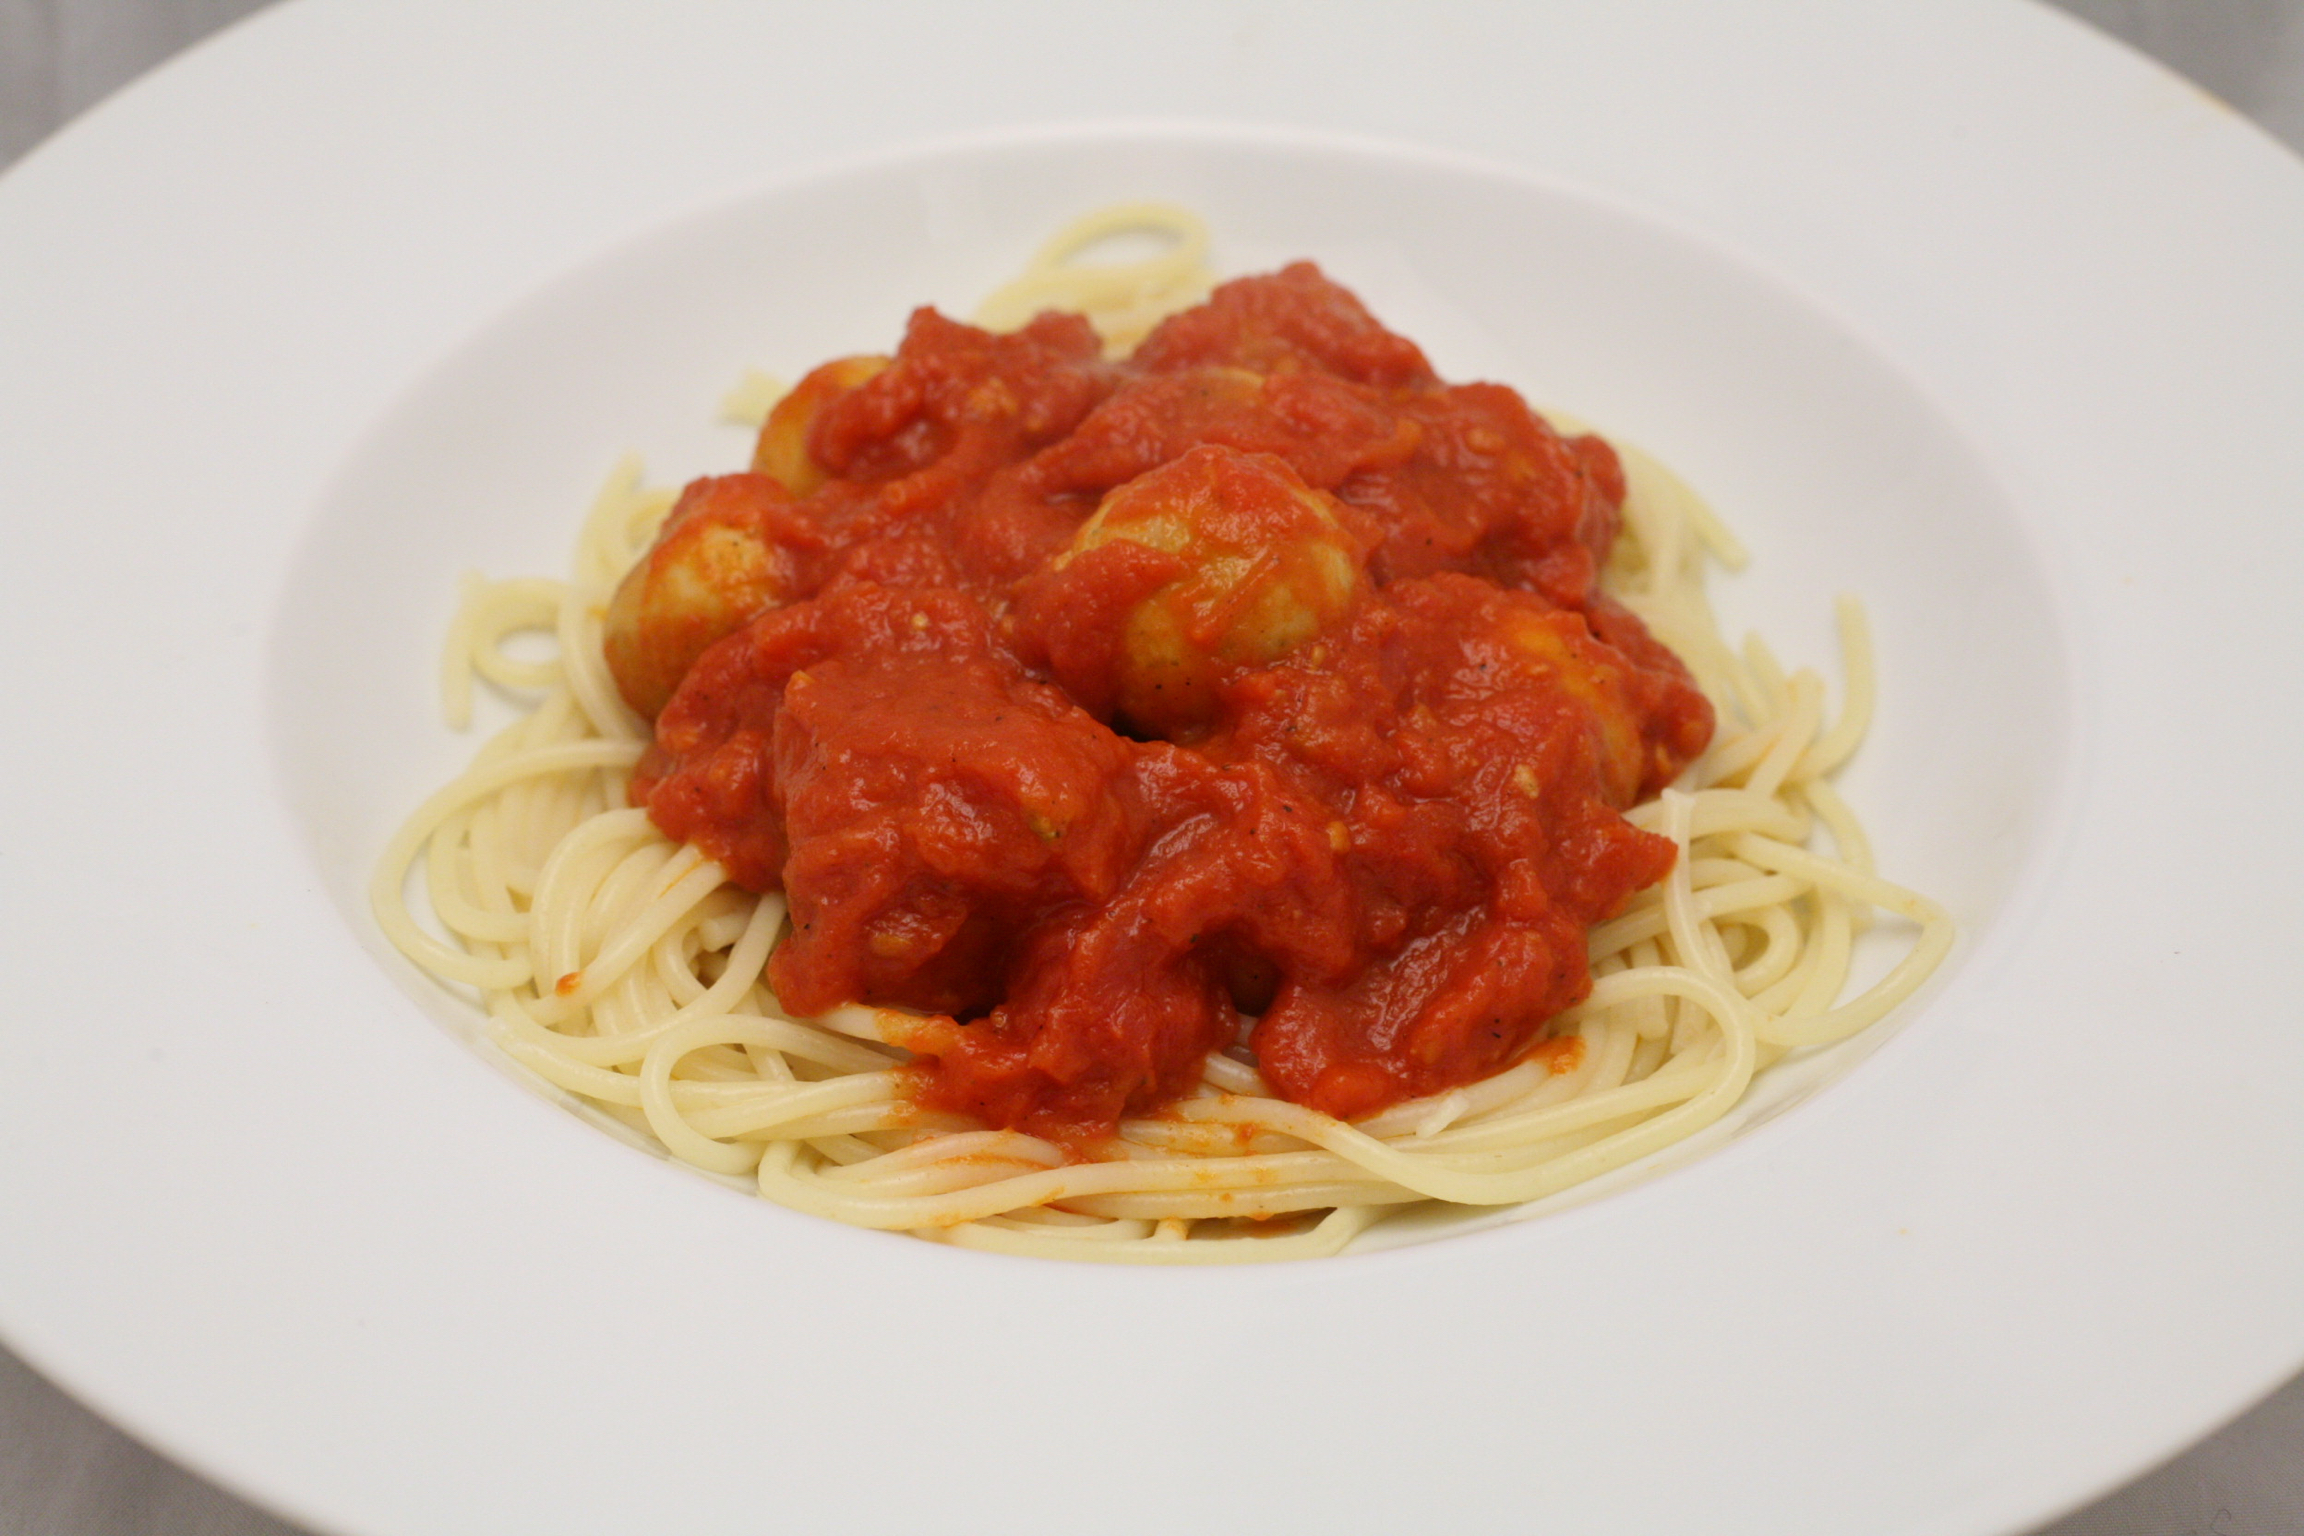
x: 625, y: 969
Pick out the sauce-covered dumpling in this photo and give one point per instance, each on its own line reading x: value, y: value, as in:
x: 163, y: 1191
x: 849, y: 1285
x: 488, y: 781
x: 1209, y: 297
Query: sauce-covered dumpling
x: 716, y: 566
x: 782, y: 452
x: 1264, y: 565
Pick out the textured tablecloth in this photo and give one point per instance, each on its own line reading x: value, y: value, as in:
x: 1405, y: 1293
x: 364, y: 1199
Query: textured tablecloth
x: 65, y: 1472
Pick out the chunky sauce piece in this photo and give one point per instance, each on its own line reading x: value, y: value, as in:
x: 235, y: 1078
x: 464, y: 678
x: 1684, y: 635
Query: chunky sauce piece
x: 1256, y: 687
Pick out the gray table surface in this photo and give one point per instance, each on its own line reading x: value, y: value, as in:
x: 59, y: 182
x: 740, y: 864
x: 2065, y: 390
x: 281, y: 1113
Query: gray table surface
x: 65, y: 1472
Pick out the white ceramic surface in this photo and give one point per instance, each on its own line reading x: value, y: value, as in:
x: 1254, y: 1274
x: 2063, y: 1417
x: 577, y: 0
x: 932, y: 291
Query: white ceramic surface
x: 275, y: 1221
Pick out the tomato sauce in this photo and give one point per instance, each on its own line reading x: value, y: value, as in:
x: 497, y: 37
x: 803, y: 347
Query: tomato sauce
x: 1256, y: 690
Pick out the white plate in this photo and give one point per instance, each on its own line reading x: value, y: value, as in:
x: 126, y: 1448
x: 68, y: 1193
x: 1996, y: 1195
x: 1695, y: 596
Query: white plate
x: 1954, y: 305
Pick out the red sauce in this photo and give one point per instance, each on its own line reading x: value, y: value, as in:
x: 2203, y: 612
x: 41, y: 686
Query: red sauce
x: 1318, y: 736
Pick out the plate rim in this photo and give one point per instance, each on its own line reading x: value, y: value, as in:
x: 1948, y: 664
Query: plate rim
x: 125, y: 1412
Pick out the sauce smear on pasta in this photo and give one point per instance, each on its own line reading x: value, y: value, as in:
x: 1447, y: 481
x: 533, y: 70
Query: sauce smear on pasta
x: 1253, y: 690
